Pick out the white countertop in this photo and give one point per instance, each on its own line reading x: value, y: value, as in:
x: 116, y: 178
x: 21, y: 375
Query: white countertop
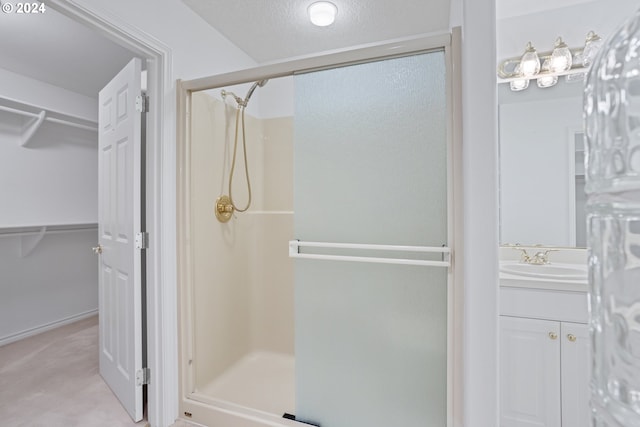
x: 560, y: 256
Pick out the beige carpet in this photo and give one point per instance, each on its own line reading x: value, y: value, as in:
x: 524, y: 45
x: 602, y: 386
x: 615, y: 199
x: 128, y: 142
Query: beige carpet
x: 52, y: 380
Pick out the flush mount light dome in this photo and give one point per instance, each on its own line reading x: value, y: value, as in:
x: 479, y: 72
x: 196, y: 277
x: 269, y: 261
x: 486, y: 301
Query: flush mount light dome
x: 322, y: 13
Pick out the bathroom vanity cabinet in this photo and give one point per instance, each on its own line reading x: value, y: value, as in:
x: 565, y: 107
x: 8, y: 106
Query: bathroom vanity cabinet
x: 544, y: 356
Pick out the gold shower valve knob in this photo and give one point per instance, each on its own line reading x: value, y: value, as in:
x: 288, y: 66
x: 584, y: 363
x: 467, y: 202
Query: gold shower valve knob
x: 223, y: 208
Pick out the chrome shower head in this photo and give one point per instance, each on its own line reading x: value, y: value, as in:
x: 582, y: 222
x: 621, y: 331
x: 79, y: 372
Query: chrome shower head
x: 260, y: 83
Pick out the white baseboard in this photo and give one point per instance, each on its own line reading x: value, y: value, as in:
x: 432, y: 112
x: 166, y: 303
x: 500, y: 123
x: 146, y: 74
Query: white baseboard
x: 46, y: 327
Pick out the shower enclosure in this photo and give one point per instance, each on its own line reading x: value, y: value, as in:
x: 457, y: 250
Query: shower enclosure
x: 329, y: 296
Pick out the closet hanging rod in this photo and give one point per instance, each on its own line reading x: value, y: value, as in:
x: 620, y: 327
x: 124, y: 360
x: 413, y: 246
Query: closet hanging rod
x: 50, y: 119
x: 295, y: 245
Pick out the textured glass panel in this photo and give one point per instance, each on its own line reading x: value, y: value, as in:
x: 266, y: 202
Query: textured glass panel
x: 612, y: 111
x: 370, y: 167
x: 370, y: 153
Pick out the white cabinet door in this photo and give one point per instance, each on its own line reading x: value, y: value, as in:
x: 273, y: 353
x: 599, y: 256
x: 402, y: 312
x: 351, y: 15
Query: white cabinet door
x: 575, y: 374
x: 529, y: 372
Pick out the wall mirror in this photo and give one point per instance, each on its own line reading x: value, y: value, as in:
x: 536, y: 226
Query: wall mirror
x: 541, y: 148
x: 541, y: 166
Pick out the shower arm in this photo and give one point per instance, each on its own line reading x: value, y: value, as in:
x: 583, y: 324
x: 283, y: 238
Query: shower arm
x: 239, y: 101
x: 243, y: 102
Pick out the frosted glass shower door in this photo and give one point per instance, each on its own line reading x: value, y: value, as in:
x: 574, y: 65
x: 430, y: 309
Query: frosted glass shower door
x: 371, y: 168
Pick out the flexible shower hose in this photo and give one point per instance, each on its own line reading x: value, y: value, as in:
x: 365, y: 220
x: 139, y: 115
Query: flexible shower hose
x: 239, y: 112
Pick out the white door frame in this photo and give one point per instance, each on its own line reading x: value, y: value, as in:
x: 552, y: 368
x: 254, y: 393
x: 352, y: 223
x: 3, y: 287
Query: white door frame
x: 162, y: 392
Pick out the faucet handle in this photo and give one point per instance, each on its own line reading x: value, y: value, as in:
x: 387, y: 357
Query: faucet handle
x: 524, y: 256
x: 542, y: 257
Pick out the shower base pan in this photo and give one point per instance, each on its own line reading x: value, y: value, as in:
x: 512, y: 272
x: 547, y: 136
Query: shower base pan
x: 261, y: 380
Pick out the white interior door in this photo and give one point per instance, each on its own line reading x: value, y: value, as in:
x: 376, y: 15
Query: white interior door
x: 119, y: 218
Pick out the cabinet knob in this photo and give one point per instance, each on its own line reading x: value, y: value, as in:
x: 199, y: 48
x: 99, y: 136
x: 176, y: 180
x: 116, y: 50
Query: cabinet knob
x: 572, y: 338
x: 553, y: 335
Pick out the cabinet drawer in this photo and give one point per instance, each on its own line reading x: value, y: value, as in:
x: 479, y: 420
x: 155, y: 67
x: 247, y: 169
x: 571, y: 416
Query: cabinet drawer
x: 544, y: 304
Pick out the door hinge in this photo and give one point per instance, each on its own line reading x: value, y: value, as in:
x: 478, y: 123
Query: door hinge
x: 143, y: 376
x: 142, y: 103
x: 142, y: 240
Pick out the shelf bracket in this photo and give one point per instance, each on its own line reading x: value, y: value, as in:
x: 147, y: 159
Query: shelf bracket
x: 28, y: 243
x: 33, y: 128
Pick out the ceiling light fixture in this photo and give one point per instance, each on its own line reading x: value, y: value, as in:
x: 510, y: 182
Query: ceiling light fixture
x: 561, y: 61
x: 322, y: 13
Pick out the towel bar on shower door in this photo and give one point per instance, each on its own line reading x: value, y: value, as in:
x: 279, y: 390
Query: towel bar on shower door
x: 295, y: 245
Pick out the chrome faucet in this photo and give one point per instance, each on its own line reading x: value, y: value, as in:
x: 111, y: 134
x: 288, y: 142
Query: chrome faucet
x: 539, y: 258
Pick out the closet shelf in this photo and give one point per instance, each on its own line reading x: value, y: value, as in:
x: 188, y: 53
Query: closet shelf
x: 30, y: 236
x: 39, y: 116
x: 22, y: 230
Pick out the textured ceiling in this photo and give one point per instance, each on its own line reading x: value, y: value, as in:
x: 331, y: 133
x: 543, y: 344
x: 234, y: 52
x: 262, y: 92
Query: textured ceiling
x: 511, y: 8
x: 269, y: 30
x: 55, y: 49
x: 52, y: 48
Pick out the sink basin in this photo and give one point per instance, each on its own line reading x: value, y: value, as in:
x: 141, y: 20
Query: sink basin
x: 550, y: 271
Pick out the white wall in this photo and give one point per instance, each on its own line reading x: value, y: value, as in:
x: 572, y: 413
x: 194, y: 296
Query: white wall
x: 55, y: 283
x: 480, y: 257
x: 198, y: 50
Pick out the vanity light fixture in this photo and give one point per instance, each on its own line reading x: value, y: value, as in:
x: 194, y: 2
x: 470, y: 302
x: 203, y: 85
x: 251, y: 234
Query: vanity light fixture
x: 561, y: 61
x: 322, y: 13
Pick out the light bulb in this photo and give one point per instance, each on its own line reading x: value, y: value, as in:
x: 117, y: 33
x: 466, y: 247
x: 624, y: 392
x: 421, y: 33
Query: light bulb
x: 561, y: 59
x: 546, y: 80
x: 518, y: 85
x: 591, y: 46
x: 530, y: 62
x: 322, y: 13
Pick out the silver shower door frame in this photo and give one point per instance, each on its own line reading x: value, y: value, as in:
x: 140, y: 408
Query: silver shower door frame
x: 196, y: 407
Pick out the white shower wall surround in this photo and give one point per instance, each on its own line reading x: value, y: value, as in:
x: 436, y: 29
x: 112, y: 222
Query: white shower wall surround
x: 243, y: 279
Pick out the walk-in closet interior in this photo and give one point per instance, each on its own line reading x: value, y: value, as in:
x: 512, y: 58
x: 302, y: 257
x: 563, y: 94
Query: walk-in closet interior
x: 48, y: 216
